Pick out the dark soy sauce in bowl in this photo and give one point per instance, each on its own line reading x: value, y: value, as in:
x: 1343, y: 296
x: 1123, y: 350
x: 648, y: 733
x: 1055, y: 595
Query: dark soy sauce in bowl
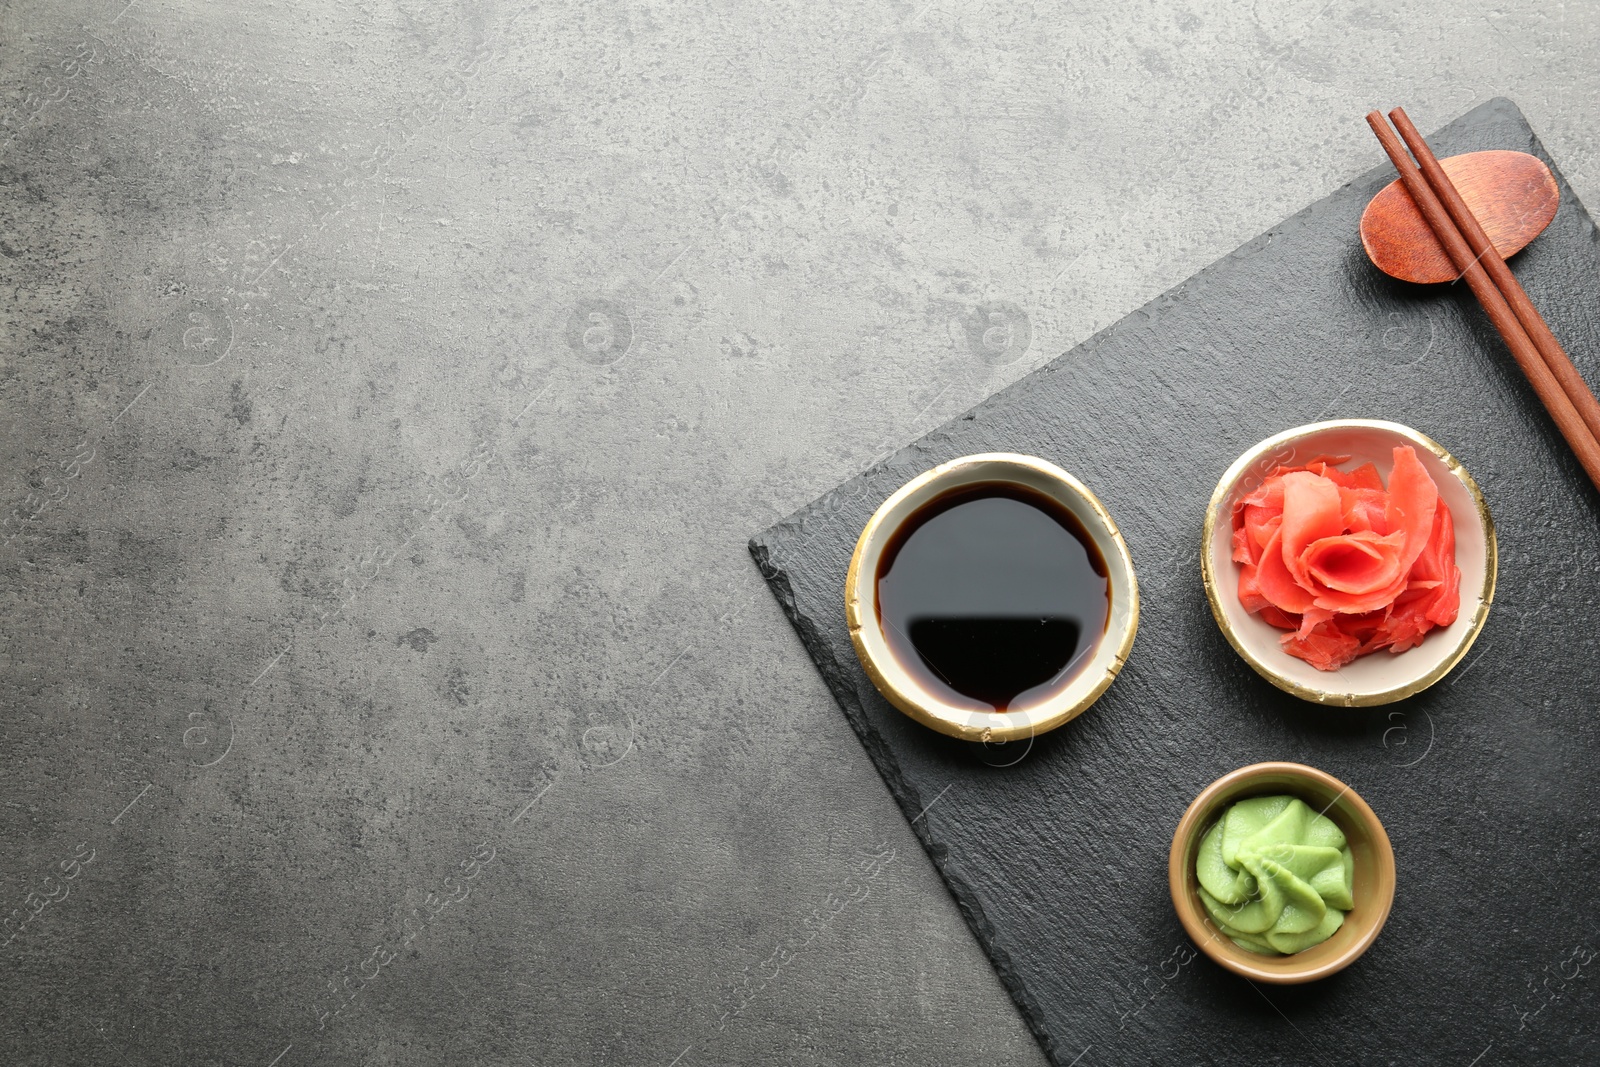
x: 993, y: 596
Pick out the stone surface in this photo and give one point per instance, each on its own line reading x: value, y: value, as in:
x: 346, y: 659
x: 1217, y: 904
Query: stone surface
x: 1056, y: 848
x: 519, y: 319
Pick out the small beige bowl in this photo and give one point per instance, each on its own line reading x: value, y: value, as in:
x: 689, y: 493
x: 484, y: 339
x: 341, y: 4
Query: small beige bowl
x: 901, y: 689
x: 1370, y: 852
x: 1382, y: 677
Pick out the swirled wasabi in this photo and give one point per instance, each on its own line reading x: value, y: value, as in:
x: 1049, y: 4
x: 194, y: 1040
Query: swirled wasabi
x: 1274, y: 875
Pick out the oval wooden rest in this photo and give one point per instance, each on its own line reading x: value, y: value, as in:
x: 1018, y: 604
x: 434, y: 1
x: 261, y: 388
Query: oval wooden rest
x: 1513, y: 195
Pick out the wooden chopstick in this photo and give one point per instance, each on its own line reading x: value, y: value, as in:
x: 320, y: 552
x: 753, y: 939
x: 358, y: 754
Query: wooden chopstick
x: 1555, y: 400
x: 1555, y: 357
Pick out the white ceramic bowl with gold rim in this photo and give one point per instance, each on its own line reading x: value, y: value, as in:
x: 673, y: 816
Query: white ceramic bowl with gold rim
x: 1380, y: 677
x: 902, y: 689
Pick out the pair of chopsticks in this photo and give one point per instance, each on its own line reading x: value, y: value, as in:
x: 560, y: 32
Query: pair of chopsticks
x: 1561, y: 389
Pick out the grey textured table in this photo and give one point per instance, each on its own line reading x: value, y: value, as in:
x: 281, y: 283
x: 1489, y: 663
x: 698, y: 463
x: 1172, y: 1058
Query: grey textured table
x: 389, y: 391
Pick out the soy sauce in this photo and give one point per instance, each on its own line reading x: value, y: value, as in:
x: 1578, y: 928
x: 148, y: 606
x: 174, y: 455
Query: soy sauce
x: 993, y: 596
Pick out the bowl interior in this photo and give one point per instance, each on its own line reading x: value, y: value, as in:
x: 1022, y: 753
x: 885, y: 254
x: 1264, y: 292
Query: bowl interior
x: 902, y: 688
x: 1373, y: 875
x: 1380, y: 677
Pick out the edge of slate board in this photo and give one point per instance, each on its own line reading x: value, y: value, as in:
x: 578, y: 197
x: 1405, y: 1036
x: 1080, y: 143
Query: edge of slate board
x: 837, y: 674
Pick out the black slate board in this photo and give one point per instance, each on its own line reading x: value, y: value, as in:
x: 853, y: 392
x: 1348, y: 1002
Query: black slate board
x: 1487, y: 783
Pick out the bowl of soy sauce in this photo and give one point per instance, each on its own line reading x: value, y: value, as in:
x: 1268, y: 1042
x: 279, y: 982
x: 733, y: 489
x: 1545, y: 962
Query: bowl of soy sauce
x: 992, y: 598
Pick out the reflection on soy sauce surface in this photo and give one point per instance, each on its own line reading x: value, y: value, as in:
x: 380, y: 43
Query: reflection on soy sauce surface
x: 993, y: 596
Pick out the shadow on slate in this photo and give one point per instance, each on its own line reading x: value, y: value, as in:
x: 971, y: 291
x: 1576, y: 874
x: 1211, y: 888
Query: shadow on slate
x: 1486, y: 782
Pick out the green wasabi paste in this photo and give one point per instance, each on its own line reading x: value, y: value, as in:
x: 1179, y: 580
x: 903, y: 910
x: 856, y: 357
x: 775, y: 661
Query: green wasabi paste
x: 1274, y: 875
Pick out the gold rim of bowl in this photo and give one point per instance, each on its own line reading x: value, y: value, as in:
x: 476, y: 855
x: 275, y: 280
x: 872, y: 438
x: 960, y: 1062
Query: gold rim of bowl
x: 1334, y: 696
x: 895, y: 683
